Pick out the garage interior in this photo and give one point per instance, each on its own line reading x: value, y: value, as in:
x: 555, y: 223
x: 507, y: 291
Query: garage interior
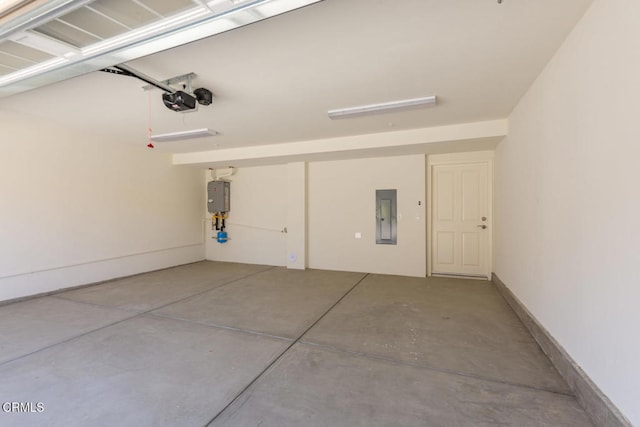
x: 303, y: 212
x: 235, y: 344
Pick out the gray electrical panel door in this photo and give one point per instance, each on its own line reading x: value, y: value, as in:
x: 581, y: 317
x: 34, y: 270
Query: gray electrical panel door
x: 386, y: 217
x: 218, y: 196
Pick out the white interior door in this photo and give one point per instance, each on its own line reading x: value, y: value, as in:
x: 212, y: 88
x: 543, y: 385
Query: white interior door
x: 460, y: 226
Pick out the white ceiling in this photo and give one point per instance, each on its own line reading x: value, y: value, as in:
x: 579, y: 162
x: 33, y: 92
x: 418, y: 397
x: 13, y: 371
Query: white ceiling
x: 275, y: 80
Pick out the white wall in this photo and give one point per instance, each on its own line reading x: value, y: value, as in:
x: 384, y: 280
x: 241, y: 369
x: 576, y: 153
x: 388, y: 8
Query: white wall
x: 323, y: 204
x: 568, y: 204
x: 258, y: 214
x: 341, y: 202
x: 297, y: 215
x: 75, y: 209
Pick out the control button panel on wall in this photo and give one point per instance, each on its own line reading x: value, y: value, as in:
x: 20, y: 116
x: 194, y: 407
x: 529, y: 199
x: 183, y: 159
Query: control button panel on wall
x: 386, y: 217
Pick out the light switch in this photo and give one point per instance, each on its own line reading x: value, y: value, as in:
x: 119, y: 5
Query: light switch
x: 358, y: 235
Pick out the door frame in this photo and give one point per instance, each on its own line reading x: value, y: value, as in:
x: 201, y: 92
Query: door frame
x: 473, y: 157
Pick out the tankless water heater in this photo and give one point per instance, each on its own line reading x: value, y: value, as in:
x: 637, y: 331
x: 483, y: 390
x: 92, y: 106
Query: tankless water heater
x: 218, y: 196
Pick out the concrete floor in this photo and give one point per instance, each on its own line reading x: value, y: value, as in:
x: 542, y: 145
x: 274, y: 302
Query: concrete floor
x: 242, y: 345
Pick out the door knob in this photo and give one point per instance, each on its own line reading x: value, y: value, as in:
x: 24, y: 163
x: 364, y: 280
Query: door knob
x: 482, y: 226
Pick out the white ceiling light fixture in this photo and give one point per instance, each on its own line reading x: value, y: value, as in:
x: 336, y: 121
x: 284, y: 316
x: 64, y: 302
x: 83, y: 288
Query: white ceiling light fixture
x: 384, y: 107
x: 182, y: 135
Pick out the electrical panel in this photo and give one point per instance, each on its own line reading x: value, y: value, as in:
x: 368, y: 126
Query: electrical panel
x: 218, y: 196
x: 386, y: 217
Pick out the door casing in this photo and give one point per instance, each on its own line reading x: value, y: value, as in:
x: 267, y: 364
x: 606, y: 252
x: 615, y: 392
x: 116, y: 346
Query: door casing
x: 460, y: 159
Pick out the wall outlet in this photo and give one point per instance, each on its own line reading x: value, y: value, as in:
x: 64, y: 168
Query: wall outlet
x: 358, y: 235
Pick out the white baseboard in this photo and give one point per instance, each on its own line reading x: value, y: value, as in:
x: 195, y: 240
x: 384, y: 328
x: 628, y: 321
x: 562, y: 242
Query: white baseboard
x: 596, y: 404
x: 50, y: 280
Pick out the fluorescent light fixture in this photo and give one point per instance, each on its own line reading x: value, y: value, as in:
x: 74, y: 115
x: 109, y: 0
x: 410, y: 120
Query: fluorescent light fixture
x: 384, y: 107
x: 187, y: 134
